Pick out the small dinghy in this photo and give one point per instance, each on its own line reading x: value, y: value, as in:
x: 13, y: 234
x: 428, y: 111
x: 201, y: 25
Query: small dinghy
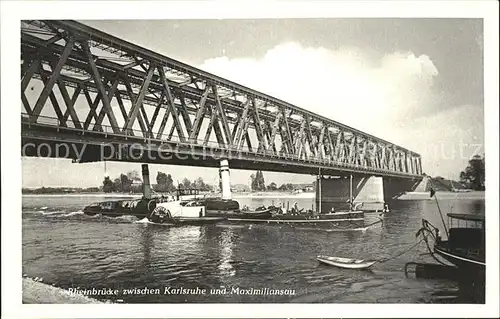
x: 348, y: 263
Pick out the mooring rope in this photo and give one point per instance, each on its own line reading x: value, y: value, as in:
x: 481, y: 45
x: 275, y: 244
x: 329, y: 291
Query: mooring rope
x: 425, y: 239
x: 402, y: 253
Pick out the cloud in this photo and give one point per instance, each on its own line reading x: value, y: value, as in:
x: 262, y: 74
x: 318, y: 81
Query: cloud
x: 345, y: 85
x: 445, y: 140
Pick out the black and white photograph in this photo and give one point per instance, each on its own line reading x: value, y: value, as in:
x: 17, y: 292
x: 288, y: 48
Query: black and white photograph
x: 245, y: 159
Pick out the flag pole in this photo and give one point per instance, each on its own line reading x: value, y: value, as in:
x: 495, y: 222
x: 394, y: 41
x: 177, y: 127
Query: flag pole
x: 318, y: 186
x: 433, y: 193
x: 351, y: 201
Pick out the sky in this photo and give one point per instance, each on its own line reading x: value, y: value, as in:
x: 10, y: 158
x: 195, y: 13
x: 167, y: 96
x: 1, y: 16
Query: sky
x: 415, y: 82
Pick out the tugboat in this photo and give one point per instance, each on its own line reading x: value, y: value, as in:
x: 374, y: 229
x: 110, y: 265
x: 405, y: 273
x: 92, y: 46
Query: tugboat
x: 181, y: 213
x: 209, y: 209
x: 188, y: 206
x: 181, y: 210
x: 139, y: 208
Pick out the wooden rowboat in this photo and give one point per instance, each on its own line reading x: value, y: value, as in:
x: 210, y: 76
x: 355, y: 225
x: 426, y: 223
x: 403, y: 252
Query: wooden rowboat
x: 348, y: 263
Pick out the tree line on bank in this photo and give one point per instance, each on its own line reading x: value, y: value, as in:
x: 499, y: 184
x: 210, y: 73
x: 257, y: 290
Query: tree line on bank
x: 132, y: 183
x: 165, y: 183
x: 258, y: 184
x: 60, y: 190
x: 473, y: 177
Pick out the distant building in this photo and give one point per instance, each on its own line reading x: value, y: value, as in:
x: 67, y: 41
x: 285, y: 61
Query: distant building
x: 238, y: 188
x: 303, y: 187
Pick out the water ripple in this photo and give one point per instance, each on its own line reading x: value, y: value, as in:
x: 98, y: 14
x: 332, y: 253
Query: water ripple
x: 70, y: 249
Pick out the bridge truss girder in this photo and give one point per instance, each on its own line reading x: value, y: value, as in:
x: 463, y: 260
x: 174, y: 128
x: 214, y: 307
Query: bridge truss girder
x: 106, y: 84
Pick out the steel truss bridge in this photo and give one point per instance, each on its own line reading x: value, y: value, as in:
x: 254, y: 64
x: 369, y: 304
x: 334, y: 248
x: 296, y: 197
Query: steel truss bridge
x: 82, y: 86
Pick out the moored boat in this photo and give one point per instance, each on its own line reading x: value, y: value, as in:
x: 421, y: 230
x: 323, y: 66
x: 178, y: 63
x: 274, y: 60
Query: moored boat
x: 463, y: 252
x: 348, y: 263
x: 465, y: 245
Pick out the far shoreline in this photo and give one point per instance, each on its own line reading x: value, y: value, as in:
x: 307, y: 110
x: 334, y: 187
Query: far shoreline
x: 273, y: 194
x: 264, y: 194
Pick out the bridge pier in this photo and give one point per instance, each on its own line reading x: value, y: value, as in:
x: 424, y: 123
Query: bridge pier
x: 372, y: 191
x: 334, y: 192
x: 225, y: 178
x: 394, y: 187
x: 424, y: 185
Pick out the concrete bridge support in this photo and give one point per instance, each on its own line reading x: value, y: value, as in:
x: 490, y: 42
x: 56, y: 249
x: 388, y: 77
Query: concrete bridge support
x: 394, y: 187
x: 225, y: 178
x: 334, y: 192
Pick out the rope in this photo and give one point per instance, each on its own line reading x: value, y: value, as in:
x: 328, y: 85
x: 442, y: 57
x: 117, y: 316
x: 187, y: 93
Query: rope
x: 425, y: 235
x: 380, y: 220
x: 404, y: 252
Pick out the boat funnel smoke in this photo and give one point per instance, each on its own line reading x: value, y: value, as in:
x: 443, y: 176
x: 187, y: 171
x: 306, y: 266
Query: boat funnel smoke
x: 146, y: 186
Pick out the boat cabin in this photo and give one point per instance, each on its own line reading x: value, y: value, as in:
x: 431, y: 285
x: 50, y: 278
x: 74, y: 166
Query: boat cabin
x: 187, y: 193
x: 466, y: 221
x: 466, y: 232
x: 108, y: 206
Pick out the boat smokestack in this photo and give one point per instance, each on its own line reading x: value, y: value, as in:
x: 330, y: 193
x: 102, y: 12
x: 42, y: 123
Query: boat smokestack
x: 146, y: 186
x: 226, y: 182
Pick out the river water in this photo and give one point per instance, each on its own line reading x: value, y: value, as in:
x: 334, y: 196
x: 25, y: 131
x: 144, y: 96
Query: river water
x: 71, y: 250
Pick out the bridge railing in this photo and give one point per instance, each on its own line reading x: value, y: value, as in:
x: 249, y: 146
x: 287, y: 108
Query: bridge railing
x: 107, y: 131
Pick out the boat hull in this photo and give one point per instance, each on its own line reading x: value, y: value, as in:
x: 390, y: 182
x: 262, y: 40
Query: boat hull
x: 180, y: 213
x: 347, y: 224
x: 115, y: 214
x: 347, y: 263
x: 193, y: 221
x: 459, y: 260
x: 265, y: 214
x: 139, y: 208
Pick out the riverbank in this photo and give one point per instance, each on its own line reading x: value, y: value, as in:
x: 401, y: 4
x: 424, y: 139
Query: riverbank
x: 266, y: 195
x: 35, y: 292
x: 111, y: 195
x: 273, y: 195
x: 138, y: 195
